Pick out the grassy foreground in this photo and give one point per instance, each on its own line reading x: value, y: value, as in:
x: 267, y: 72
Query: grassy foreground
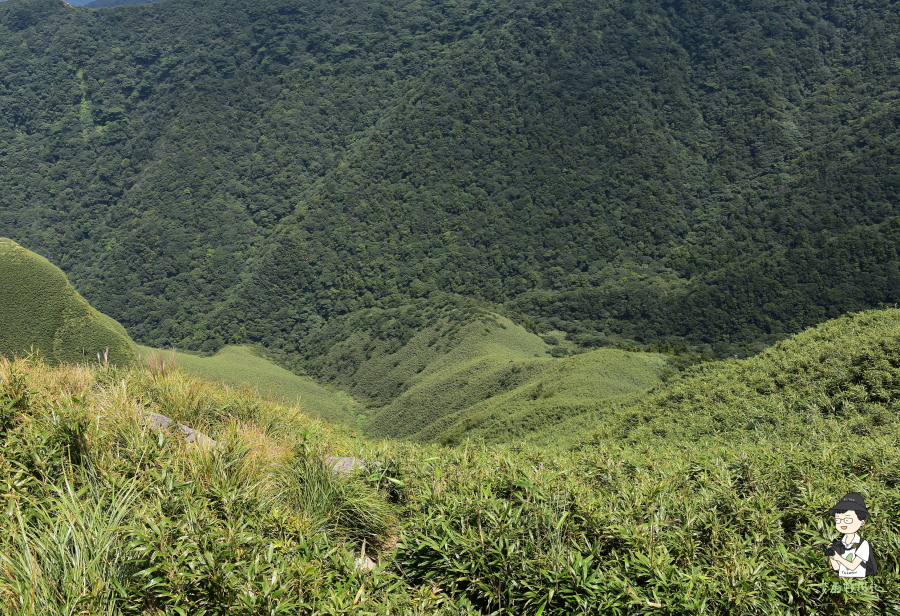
x: 104, y: 516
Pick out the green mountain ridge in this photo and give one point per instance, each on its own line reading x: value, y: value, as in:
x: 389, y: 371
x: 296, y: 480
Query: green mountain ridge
x: 715, y: 176
x: 499, y: 373
x: 435, y: 364
x: 843, y: 374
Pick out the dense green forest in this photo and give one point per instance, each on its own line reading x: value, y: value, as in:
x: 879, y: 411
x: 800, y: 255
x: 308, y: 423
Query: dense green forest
x: 705, y: 175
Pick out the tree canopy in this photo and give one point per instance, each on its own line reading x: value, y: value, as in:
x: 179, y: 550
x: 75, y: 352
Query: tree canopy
x: 713, y: 175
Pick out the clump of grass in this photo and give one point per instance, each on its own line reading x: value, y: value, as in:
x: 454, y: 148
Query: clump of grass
x: 67, y: 553
x: 106, y: 516
x: 160, y: 362
x: 346, y: 506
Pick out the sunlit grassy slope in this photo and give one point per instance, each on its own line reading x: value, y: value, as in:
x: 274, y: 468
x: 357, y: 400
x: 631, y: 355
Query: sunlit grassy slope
x: 39, y: 309
x: 658, y: 513
x: 845, y: 371
x: 497, y: 381
x: 241, y: 366
x: 558, y: 389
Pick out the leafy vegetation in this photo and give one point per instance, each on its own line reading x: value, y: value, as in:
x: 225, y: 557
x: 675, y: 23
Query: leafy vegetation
x: 677, y: 528
x: 712, y: 176
x: 107, y: 516
x: 845, y: 371
x: 40, y: 311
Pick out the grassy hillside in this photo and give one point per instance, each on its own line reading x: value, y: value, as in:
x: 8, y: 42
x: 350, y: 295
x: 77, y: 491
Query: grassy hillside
x: 553, y: 390
x: 39, y: 309
x: 106, y: 516
x: 435, y: 369
x: 241, y: 366
x: 500, y: 379
x: 485, y: 359
x: 844, y: 372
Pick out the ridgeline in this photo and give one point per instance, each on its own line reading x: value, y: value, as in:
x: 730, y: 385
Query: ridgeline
x: 711, y: 176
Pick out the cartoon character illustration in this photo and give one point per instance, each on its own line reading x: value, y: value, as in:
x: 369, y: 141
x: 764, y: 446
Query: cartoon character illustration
x: 851, y: 555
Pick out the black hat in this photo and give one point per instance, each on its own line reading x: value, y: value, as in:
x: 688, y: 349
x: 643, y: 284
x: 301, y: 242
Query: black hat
x: 851, y: 502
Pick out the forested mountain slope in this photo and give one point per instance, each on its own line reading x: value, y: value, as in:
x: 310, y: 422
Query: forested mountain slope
x: 706, y: 173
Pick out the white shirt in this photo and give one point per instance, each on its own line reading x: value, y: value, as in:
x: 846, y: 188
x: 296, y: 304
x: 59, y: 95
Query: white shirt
x: 862, y: 551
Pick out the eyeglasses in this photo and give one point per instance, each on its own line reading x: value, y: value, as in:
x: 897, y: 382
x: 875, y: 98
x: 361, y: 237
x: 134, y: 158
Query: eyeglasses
x: 844, y: 520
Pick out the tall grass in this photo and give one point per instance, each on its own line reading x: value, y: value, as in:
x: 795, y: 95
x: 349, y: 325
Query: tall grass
x: 104, y: 515
x: 679, y: 530
x: 66, y: 553
x: 347, y: 506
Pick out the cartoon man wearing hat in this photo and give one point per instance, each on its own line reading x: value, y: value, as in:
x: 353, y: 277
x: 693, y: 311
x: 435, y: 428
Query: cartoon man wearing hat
x: 850, y: 555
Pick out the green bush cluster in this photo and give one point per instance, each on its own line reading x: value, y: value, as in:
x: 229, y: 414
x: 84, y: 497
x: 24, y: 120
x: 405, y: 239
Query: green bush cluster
x: 682, y: 528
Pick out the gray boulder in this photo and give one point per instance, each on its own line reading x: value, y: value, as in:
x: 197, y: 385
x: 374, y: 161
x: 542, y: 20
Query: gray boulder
x: 161, y: 422
x: 343, y: 466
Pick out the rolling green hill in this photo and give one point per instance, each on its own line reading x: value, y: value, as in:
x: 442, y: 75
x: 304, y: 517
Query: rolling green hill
x: 842, y: 374
x: 555, y: 390
x: 500, y: 379
x: 241, y: 366
x: 436, y: 368
x: 40, y: 310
